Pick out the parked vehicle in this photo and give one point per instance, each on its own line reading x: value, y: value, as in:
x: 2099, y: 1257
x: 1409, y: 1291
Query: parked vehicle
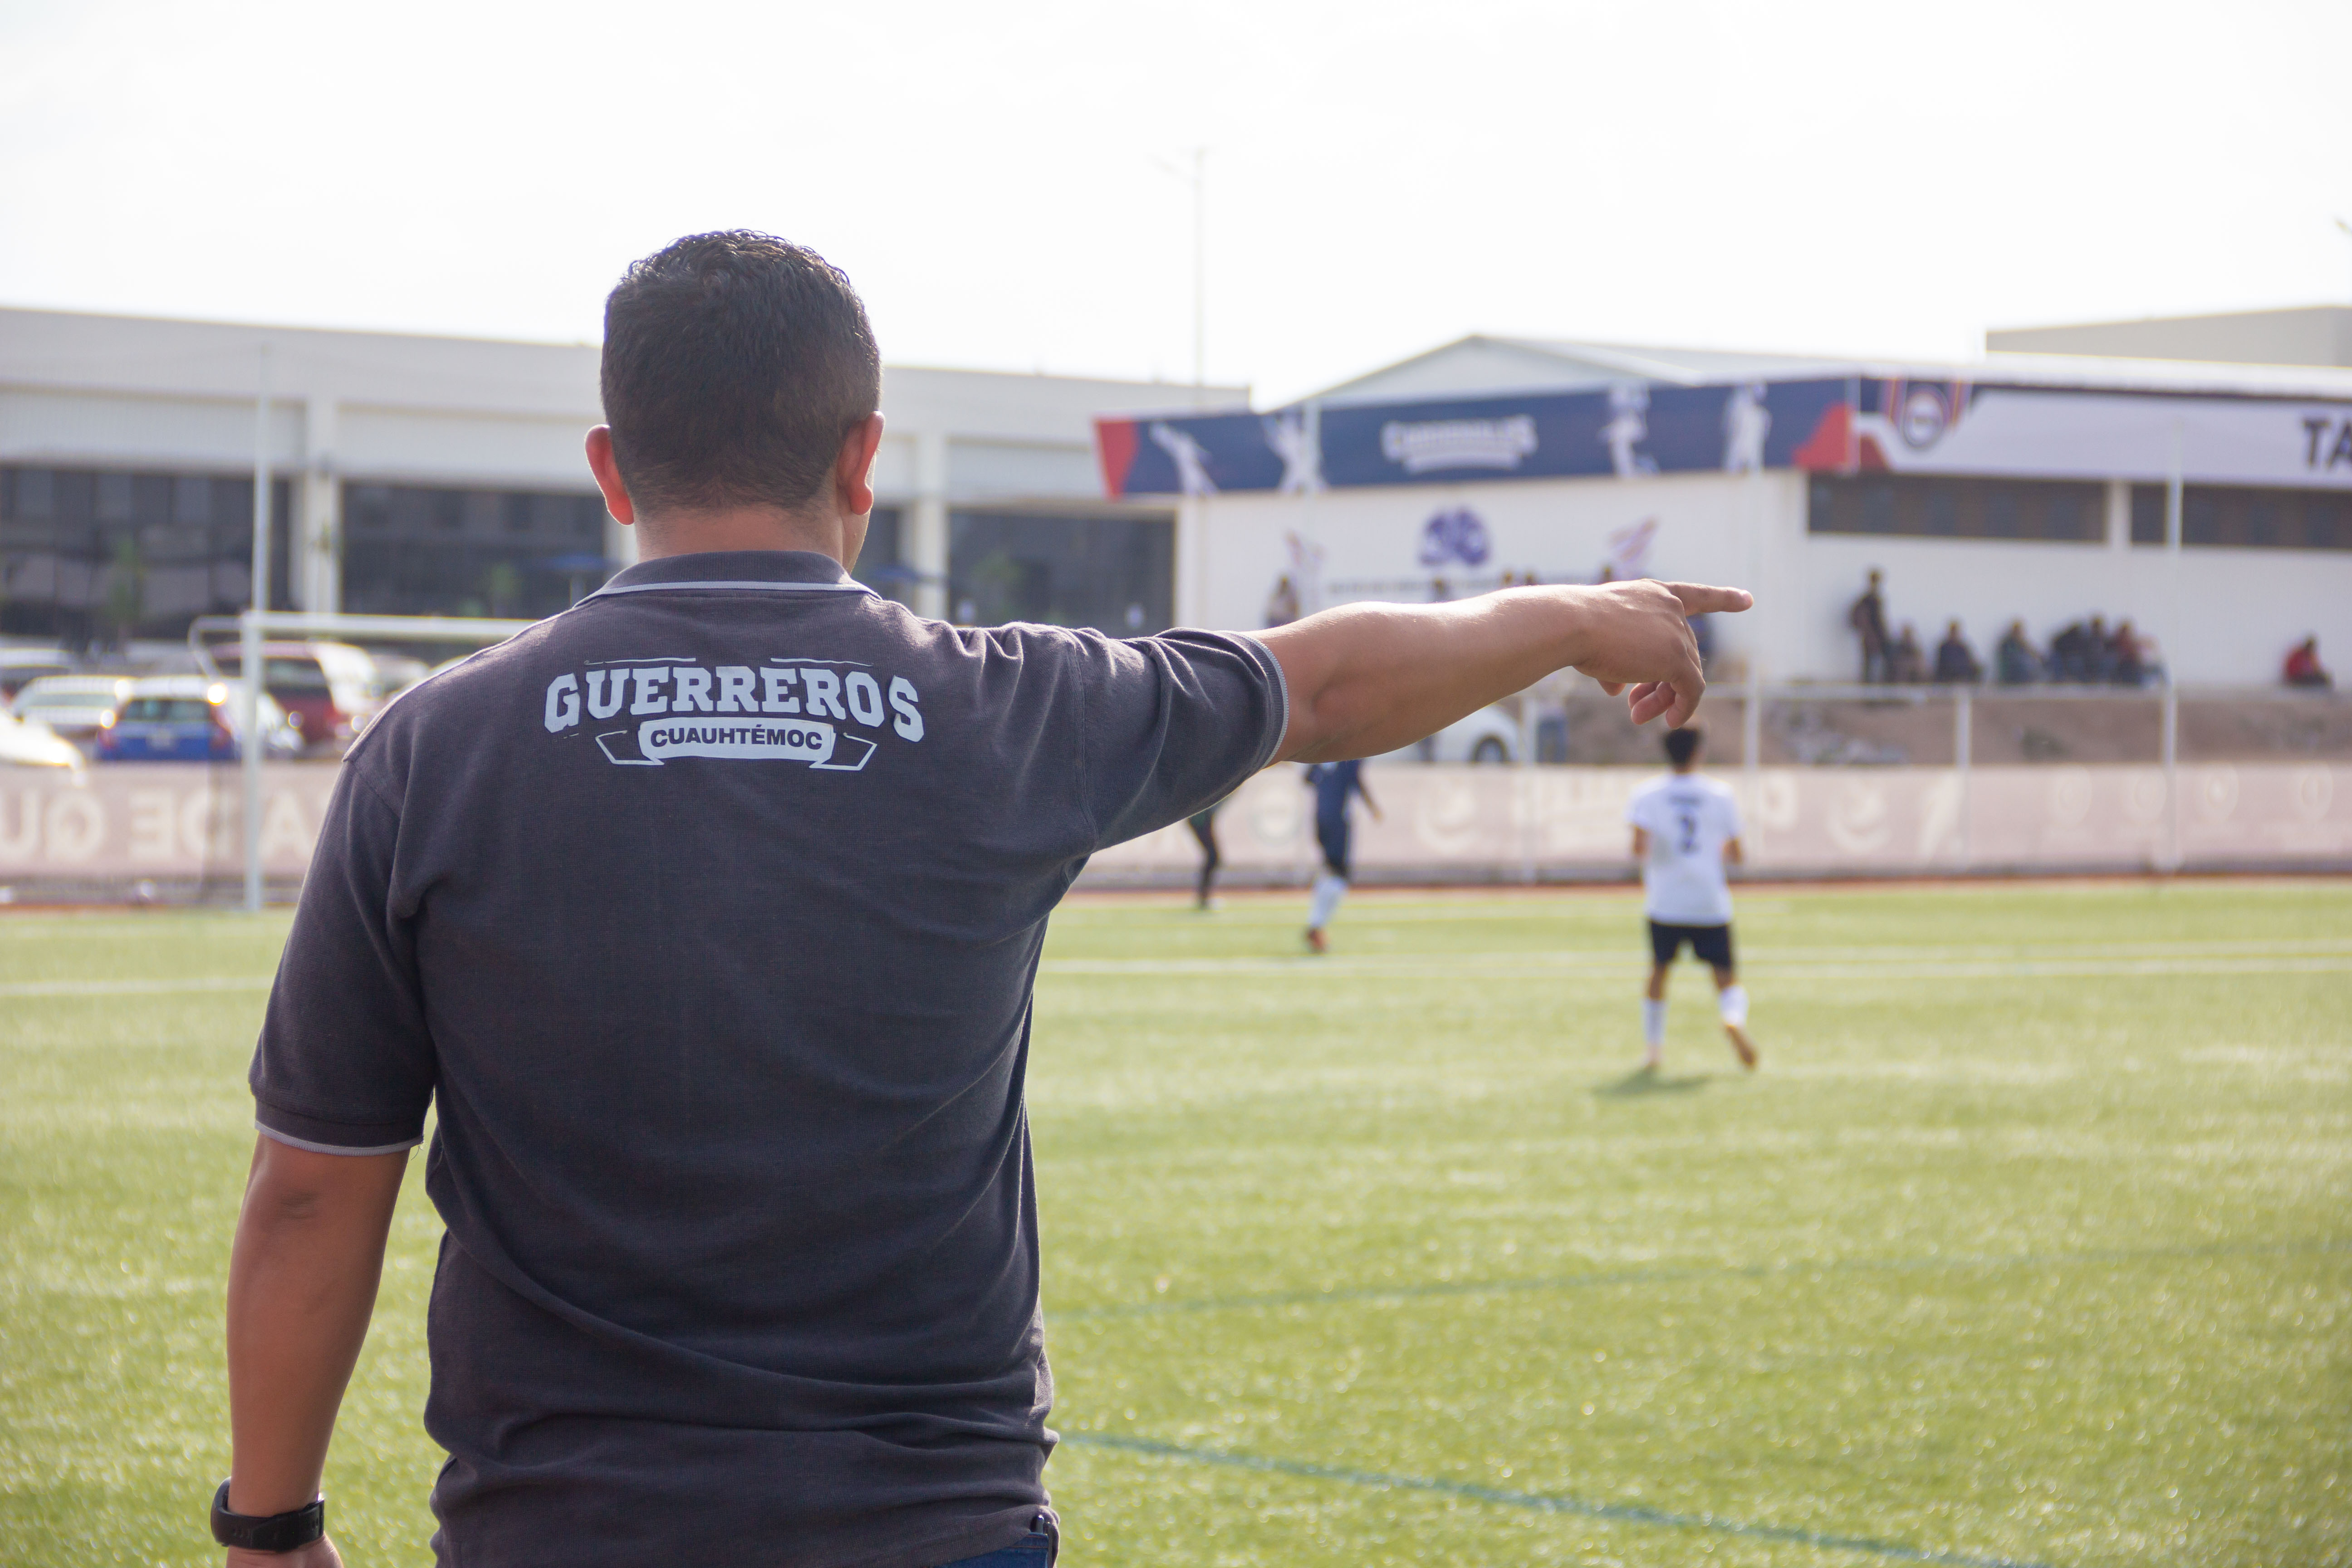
x: 190, y: 718
x: 328, y: 690
x: 19, y: 666
x: 1489, y: 735
x: 24, y: 745
x: 73, y: 706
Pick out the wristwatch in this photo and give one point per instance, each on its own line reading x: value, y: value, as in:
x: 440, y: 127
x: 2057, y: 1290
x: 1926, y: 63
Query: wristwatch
x: 271, y: 1533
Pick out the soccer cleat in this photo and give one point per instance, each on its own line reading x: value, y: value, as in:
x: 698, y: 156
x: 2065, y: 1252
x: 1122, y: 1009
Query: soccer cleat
x: 1314, y: 943
x: 1741, y: 1044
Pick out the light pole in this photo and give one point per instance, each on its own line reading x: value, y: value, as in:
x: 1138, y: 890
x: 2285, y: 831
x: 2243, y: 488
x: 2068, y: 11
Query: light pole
x: 250, y: 654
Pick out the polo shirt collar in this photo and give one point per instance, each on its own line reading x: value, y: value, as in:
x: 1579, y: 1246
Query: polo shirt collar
x: 785, y: 569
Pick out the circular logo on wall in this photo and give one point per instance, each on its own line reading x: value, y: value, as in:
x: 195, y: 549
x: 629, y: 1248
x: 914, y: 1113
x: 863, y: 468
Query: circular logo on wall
x: 1459, y: 535
x: 1923, y: 416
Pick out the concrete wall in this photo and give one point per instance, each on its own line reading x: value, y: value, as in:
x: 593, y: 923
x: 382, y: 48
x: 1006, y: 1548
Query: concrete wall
x: 1468, y: 824
x: 179, y: 824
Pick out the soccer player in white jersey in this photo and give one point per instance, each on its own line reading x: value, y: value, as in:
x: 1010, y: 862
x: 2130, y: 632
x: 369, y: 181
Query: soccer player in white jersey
x: 1686, y: 831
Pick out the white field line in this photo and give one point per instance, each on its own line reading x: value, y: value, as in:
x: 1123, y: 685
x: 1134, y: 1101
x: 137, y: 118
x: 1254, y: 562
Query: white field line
x: 135, y: 988
x: 2153, y: 960
x: 1852, y: 965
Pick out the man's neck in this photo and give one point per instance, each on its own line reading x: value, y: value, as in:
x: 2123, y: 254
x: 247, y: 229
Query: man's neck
x: 741, y: 527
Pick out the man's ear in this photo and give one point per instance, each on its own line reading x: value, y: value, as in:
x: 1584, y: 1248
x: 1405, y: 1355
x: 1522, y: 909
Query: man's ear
x: 601, y: 463
x: 852, y: 471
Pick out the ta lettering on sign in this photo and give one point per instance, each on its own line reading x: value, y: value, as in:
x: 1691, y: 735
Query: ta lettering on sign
x: 2327, y: 443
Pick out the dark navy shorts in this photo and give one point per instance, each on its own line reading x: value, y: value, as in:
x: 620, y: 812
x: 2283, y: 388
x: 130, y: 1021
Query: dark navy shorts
x: 1334, y: 843
x: 1711, y: 945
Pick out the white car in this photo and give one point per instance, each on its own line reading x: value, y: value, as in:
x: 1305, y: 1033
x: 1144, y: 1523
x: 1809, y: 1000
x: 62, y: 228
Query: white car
x: 24, y: 745
x: 1489, y: 735
x: 19, y: 665
x: 74, y: 705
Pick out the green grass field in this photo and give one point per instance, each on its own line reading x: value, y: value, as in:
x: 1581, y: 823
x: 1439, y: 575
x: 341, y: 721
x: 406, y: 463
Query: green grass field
x: 2028, y: 1243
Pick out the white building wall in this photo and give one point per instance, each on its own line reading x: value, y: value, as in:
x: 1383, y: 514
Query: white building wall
x: 1369, y: 540
x: 2239, y: 610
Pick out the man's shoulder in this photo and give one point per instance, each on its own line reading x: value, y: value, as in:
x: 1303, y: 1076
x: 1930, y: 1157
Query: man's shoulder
x: 467, y: 679
x: 1648, y: 793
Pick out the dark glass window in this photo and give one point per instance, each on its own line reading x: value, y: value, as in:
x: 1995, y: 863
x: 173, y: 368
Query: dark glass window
x: 2244, y: 517
x: 881, y: 565
x: 1117, y: 575
x: 1932, y: 507
x: 97, y: 557
x: 420, y: 549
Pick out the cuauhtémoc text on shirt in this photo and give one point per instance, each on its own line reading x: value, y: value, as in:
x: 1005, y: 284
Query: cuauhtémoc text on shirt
x: 779, y: 711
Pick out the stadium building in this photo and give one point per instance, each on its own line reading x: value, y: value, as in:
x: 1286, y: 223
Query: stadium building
x: 2027, y: 487
x: 440, y: 475
x: 417, y: 474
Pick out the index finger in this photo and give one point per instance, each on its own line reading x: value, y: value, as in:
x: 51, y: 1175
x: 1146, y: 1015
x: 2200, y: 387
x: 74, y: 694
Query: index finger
x: 1700, y: 599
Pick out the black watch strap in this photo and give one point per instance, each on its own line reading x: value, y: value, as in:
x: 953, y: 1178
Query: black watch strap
x: 275, y: 1532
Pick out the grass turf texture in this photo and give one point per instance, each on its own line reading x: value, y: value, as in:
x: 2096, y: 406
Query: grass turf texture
x: 2028, y: 1244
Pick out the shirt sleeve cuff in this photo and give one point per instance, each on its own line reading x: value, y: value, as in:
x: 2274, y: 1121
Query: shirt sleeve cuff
x: 1281, y: 703
x: 323, y: 1137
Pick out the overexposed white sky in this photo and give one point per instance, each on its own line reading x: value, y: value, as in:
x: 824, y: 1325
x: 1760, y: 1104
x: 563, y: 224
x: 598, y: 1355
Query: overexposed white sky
x: 1382, y: 176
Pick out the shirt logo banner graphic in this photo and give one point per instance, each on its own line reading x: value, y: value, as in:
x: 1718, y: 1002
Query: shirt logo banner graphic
x: 659, y: 741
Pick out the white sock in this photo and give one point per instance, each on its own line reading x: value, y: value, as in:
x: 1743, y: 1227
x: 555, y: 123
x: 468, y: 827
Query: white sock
x: 1328, y: 888
x: 1654, y: 1028
x: 1732, y: 1002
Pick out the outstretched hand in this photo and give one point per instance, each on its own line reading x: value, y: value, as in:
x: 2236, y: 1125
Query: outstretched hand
x: 1642, y: 643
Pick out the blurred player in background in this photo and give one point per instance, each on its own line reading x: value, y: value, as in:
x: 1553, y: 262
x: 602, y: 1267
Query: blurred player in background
x: 1203, y: 824
x: 1333, y: 783
x: 1686, y: 831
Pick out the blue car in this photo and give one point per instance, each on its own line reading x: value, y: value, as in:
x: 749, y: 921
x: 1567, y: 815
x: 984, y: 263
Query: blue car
x: 188, y: 719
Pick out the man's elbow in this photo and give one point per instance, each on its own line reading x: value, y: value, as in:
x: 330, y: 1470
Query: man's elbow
x: 291, y: 1189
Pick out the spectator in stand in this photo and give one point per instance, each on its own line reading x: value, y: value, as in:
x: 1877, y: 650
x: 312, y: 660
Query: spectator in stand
x: 2126, y: 658
x: 2014, y: 661
x: 2303, y: 666
x: 1868, y: 619
x: 1907, y: 662
x: 2070, y: 653
x: 2100, y: 653
x: 1956, y: 661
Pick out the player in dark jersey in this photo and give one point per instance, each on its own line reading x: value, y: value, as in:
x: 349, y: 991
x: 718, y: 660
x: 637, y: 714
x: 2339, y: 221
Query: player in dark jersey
x: 1203, y: 824
x: 1333, y: 783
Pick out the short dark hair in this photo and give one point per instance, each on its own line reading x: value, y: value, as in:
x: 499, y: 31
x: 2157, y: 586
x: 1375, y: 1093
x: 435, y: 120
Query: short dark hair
x: 1682, y: 745
x: 735, y: 364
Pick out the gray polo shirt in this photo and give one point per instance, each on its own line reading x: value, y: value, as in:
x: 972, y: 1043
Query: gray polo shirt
x: 708, y: 915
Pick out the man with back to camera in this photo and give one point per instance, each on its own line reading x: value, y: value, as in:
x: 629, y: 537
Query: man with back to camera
x: 1686, y: 831
x: 707, y: 916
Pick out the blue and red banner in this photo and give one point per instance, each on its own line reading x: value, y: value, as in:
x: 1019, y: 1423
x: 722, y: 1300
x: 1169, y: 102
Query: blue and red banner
x: 1845, y: 424
x: 1626, y: 430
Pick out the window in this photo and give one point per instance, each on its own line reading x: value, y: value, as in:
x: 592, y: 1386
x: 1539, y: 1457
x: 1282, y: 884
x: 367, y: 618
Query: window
x: 881, y: 565
x: 1117, y: 575
x: 165, y: 710
x: 429, y: 550
x: 1939, y: 508
x: 2246, y: 519
x: 96, y: 557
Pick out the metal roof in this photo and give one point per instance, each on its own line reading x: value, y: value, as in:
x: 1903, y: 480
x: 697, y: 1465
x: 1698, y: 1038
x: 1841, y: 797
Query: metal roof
x: 1484, y: 366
